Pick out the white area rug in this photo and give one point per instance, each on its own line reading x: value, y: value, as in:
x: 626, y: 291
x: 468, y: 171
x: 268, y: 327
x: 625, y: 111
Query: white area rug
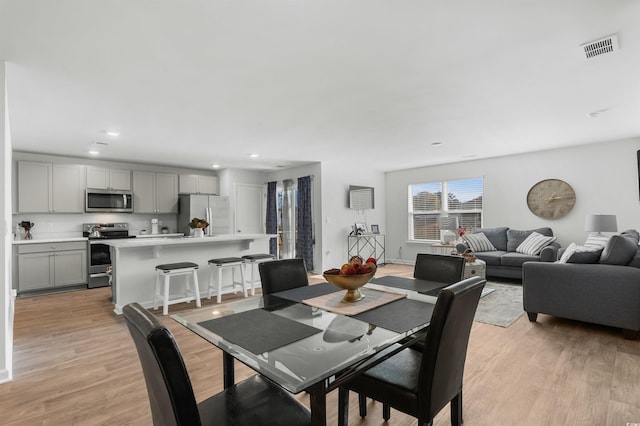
x: 501, y: 307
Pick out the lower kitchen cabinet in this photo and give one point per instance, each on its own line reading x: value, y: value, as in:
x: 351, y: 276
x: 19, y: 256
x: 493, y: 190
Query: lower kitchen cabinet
x: 51, y: 265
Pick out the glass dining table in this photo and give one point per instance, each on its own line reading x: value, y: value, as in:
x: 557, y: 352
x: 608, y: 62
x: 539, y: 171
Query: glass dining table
x: 307, y: 348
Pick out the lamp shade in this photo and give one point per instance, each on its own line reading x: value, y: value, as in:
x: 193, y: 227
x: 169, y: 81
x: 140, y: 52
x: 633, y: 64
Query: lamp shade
x: 448, y: 223
x: 601, y: 223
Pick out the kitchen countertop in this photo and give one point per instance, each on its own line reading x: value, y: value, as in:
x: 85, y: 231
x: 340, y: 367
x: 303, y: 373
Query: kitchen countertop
x: 50, y: 240
x: 166, y: 241
x: 159, y: 235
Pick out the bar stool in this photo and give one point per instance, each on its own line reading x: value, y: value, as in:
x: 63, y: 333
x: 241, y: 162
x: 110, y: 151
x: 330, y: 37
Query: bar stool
x: 172, y: 270
x: 252, y: 261
x: 221, y: 264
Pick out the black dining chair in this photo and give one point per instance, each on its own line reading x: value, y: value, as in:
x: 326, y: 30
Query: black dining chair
x: 422, y: 383
x: 280, y: 275
x: 439, y: 267
x: 253, y: 401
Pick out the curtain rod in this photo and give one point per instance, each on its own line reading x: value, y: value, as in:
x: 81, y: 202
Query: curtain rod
x: 280, y: 181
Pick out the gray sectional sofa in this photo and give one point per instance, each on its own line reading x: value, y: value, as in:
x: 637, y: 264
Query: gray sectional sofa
x: 505, y: 261
x: 605, y: 291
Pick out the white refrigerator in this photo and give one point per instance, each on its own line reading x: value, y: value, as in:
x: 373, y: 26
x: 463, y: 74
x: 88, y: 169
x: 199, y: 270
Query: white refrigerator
x: 214, y: 209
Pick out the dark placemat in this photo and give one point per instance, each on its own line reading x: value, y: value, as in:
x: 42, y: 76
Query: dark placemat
x: 431, y: 288
x: 306, y: 292
x: 399, y: 316
x: 258, y: 331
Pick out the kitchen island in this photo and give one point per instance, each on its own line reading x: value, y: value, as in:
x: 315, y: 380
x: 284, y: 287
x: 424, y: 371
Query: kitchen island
x: 134, y: 260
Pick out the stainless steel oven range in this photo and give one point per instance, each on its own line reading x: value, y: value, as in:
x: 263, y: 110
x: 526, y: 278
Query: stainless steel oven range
x: 99, y: 254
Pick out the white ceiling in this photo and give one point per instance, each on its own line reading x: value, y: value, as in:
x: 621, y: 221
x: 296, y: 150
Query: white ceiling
x: 196, y: 82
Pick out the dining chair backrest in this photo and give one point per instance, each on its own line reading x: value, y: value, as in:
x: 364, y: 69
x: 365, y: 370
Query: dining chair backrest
x: 438, y: 267
x: 281, y: 275
x: 445, y: 348
x: 168, y: 385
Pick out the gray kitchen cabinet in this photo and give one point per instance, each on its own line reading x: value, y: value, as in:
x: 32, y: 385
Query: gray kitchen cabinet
x: 105, y: 178
x: 199, y: 184
x: 51, y: 265
x: 155, y: 192
x: 50, y: 188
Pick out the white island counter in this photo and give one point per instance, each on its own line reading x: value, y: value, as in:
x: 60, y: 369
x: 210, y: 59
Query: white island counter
x: 134, y: 260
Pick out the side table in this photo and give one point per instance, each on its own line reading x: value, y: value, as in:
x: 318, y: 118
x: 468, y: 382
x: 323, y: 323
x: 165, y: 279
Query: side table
x: 442, y: 248
x: 475, y: 269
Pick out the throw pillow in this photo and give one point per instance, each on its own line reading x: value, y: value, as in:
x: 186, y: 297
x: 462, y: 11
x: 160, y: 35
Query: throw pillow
x: 515, y: 237
x: 534, y: 244
x: 580, y: 254
x: 620, y: 250
x: 595, y: 240
x: 479, y: 242
x: 496, y: 236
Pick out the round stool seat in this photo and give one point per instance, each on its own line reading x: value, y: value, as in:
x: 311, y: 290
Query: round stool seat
x: 179, y: 265
x: 259, y: 256
x: 225, y: 260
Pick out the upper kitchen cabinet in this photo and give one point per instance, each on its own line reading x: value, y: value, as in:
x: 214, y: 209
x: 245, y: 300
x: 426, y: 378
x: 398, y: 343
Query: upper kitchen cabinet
x: 199, y: 184
x: 50, y: 188
x: 103, y: 178
x: 155, y: 192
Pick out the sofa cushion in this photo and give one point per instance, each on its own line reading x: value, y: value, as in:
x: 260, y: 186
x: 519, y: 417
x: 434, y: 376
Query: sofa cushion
x: 479, y: 242
x: 497, y: 236
x: 534, y: 243
x: 620, y: 250
x: 580, y: 254
x: 515, y: 237
x: 635, y: 262
x: 517, y: 259
x: 491, y: 257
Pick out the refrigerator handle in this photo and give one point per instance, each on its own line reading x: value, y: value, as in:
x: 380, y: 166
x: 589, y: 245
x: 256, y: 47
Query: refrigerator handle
x: 209, y: 220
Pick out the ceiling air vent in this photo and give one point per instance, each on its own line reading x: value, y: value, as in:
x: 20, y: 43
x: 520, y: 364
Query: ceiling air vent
x: 600, y: 47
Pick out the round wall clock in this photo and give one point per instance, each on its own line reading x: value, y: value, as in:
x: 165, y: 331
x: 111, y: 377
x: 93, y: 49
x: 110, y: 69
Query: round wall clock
x: 551, y: 198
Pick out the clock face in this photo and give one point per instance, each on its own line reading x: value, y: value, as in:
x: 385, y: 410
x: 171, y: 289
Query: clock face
x: 551, y: 198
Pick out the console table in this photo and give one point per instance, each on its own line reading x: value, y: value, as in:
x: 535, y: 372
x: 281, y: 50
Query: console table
x: 366, y: 246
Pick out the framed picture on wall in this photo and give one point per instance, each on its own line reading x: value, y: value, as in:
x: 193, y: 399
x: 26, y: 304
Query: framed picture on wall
x: 375, y: 229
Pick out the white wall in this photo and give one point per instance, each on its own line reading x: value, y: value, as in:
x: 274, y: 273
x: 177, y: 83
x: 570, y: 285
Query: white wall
x: 337, y: 218
x: 6, y: 314
x: 604, y: 177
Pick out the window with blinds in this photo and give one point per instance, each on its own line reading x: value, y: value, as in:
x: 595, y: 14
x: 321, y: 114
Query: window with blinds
x: 427, y: 204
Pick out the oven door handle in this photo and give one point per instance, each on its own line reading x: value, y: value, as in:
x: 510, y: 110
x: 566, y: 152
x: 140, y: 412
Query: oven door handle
x: 102, y: 274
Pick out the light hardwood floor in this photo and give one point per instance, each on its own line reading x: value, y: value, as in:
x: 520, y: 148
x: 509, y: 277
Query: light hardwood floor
x: 75, y: 364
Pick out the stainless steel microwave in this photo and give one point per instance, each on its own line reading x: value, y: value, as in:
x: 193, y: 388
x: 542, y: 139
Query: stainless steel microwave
x: 104, y: 200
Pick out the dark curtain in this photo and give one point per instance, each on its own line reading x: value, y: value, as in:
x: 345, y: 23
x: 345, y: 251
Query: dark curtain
x: 304, y: 237
x: 272, y: 217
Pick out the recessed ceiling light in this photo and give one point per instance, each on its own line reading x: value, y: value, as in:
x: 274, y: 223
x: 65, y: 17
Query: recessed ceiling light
x: 215, y: 166
x: 436, y: 144
x: 597, y: 113
x: 253, y: 155
x: 112, y: 133
x: 96, y: 147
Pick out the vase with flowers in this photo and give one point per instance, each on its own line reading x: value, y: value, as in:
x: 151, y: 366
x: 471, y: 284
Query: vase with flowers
x: 461, y: 231
x: 198, y: 226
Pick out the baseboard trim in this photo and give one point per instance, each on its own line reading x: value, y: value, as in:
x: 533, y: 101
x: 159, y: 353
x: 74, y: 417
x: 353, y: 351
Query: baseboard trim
x: 5, y: 376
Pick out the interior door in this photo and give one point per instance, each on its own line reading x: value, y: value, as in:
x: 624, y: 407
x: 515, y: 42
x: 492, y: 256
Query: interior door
x: 250, y: 210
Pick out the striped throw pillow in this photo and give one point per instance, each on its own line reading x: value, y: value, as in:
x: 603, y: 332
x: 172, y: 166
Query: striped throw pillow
x: 479, y: 242
x: 534, y: 243
x: 595, y: 240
